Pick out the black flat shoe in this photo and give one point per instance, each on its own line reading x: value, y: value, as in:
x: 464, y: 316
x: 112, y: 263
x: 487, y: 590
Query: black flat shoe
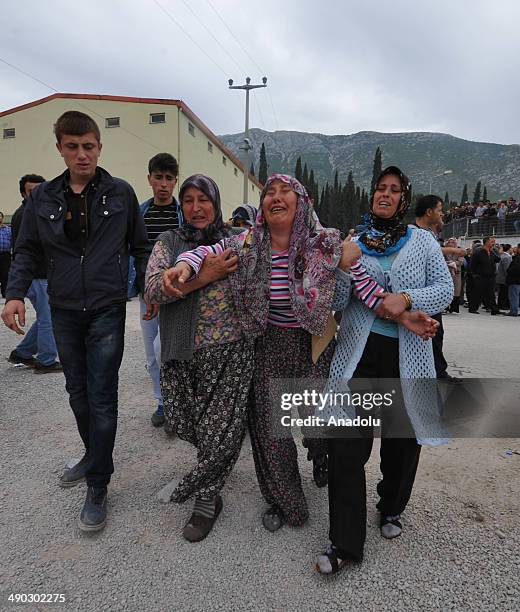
x: 198, y: 527
x: 273, y: 519
x: 320, y: 471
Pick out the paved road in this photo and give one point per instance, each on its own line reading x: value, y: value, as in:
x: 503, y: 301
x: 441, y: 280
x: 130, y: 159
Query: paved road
x: 460, y: 548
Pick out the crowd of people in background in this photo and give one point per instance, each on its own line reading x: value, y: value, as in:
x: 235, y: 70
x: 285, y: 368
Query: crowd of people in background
x: 500, y: 217
x: 228, y: 306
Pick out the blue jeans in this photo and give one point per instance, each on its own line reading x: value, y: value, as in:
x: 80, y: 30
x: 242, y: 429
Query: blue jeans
x: 39, y: 340
x: 152, y: 348
x: 514, y: 297
x: 90, y: 345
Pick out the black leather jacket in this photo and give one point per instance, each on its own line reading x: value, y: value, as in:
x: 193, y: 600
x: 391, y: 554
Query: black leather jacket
x: 96, y: 278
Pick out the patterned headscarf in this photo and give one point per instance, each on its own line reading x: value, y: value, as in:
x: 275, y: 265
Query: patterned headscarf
x: 387, y: 236
x: 216, y: 230
x: 314, y: 253
x: 246, y: 212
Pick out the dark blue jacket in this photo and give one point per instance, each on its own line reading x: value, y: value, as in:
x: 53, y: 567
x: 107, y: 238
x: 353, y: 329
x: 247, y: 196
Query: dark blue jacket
x: 80, y: 282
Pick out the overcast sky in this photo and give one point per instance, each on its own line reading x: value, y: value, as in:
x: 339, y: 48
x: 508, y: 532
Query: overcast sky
x: 333, y: 66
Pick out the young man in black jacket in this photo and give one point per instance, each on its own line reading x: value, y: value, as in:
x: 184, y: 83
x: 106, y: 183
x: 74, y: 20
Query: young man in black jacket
x: 83, y: 224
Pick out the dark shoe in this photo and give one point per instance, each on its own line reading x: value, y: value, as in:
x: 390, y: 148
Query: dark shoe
x: 93, y: 517
x: 320, y: 472
x: 510, y: 314
x: 157, y: 419
x: 391, y: 526
x: 273, y: 519
x: 474, y: 311
x: 495, y: 312
x: 329, y: 562
x: 39, y: 368
x: 198, y: 527
x: 74, y: 475
x: 16, y: 358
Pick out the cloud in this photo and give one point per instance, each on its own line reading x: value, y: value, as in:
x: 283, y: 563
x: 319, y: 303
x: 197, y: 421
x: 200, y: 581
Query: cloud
x: 333, y: 67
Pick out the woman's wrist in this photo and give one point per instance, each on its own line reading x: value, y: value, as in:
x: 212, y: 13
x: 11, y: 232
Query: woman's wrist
x: 408, y: 300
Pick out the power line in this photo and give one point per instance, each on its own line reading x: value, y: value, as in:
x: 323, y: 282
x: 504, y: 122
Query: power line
x: 214, y: 37
x: 91, y: 110
x: 233, y: 59
x: 170, y: 16
x: 248, y: 55
x: 229, y: 30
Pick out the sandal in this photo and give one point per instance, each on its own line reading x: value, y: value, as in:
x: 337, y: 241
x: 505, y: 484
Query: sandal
x: 391, y: 526
x: 329, y: 563
x: 273, y: 518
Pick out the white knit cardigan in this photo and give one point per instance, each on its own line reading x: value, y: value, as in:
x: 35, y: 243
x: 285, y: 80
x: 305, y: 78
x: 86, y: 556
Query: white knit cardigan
x: 419, y: 269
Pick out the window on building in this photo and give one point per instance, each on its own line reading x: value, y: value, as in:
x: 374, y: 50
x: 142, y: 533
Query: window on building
x: 236, y: 171
x: 191, y: 129
x: 157, y: 117
x: 210, y: 147
x: 111, y: 122
x: 224, y: 160
x: 9, y: 133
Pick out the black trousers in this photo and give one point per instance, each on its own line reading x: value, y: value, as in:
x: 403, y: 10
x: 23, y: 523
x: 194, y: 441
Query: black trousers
x: 437, y: 342
x: 483, y: 292
x: 5, y: 264
x: 503, y: 297
x: 347, y: 459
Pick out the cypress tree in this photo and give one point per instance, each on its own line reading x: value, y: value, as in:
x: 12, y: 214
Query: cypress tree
x: 376, y: 170
x: 464, y: 197
x: 352, y: 203
x: 305, y: 177
x: 298, y: 169
x: 262, y: 170
x: 476, y: 195
x: 484, y: 196
x: 252, y: 169
x: 447, y: 199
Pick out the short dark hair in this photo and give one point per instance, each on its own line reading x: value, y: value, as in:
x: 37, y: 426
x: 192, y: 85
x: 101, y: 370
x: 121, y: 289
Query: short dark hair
x: 75, y: 123
x: 30, y: 178
x: 164, y: 162
x: 487, y: 239
x: 506, y: 247
x: 426, y: 203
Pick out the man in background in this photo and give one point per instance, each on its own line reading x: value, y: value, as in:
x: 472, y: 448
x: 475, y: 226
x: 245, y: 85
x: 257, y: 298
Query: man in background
x: 429, y: 217
x: 160, y: 213
x: 38, y: 348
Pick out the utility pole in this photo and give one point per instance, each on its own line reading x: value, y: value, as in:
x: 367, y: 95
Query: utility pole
x: 246, y: 146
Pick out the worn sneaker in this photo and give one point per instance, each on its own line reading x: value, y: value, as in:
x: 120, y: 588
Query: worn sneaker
x: 16, y: 358
x: 93, y: 517
x: 74, y: 475
x: 40, y: 368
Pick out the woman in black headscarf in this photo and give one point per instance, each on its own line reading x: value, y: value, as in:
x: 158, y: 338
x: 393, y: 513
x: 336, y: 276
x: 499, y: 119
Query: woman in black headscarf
x: 207, y: 360
x: 408, y: 262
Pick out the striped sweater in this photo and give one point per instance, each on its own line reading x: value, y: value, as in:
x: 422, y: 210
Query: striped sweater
x: 280, y: 309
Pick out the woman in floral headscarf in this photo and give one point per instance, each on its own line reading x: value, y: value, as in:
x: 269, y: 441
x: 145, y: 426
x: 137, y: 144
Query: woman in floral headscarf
x: 283, y: 292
